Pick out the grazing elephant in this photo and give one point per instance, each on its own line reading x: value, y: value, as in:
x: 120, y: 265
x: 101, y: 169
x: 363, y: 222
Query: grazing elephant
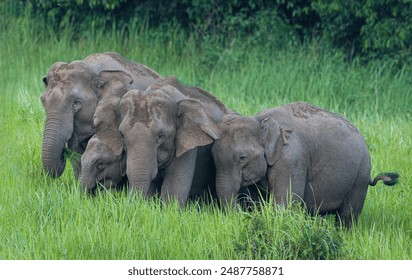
x: 102, y: 165
x: 305, y: 153
x: 70, y: 99
x: 162, y: 129
x: 104, y: 159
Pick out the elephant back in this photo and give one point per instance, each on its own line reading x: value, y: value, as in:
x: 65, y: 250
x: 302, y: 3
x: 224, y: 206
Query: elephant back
x: 178, y: 91
x: 142, y: 75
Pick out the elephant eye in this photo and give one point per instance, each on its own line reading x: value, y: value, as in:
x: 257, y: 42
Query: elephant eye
x: 242, y: 159
x: 76, y: 105
x: 100, y: 166
x: 161, y: 138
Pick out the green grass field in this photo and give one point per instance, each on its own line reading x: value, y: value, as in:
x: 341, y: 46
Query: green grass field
x: 44, y: 218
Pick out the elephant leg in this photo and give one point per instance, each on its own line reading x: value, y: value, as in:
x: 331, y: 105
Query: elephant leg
x: 178, y: 178
x: 153, y: 190
x: 353, y: 203
x: 204, y: 179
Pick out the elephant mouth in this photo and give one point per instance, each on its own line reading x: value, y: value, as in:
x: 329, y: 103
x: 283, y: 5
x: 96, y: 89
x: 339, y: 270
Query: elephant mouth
x: 110, y: 183
x: 252, y: 178
x: 162, y: 165
x: 249, y: 181
x: 99, y: 187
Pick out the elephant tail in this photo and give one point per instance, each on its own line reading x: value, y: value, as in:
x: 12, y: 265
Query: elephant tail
x: 388, y: 179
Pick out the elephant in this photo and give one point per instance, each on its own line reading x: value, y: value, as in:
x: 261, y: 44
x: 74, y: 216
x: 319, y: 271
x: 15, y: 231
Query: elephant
x: 168, y: 130
x: 70, y: 99
x: 305, y: 154
x: 104, y: 159
x: 102, y: 165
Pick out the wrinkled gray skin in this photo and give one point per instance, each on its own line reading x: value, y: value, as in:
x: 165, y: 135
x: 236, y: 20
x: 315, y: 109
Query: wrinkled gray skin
x: 305, y: 153
x: 104, y: 160
x: 70, y: 99
x: 163, y: 128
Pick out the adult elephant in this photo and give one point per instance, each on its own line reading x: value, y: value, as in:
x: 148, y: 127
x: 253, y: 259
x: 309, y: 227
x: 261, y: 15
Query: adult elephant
x: 167, y: 132
x: 70, y: 99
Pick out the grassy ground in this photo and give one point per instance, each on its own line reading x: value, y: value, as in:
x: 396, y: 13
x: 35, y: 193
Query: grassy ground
x: 42, y: 218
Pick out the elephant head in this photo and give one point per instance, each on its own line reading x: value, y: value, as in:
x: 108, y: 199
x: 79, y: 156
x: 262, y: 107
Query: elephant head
x: 70, y: 99
x: 104, y: 160
x: 157, y: 129
x: 244, y: 151
x: 102, y: 163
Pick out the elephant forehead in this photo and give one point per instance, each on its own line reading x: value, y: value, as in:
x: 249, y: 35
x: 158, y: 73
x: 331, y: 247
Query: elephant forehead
x: 153, y: 108
x: 241, y: 126
x: 239, y: 138
x: 245, y: 140
x: 106, y: 112
x: 108, y: 104
x: 57, y: 89
x: 242, y: 134
x: 54, y: 91
x: 98, y: 149
x: 73, y: 73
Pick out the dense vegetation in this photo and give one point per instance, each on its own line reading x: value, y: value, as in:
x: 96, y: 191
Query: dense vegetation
x: 44, y: 218
x: 371, y: 29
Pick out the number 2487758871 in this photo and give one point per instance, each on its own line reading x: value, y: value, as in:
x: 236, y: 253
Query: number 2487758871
x: 251, y: 270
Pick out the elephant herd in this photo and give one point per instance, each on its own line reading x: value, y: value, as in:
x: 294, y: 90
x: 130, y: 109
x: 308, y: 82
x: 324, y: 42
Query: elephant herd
x: 134, y: 128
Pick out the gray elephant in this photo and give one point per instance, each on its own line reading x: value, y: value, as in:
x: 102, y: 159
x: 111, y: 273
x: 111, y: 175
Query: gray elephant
x: 104, y: 159
x: 103, y: 166
x: 70, y: 99
x: 168, y: 130
x: 305, y: 154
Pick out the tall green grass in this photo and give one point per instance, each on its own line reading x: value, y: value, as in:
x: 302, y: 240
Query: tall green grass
x: 44, y: 218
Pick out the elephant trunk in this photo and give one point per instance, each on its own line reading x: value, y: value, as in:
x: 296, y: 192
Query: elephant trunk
x: 54, y: 140
x: 141, y: 169
x: 88, y: 179
x: 227, y: 188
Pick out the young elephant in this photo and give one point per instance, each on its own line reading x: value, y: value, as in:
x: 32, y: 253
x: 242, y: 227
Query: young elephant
x: 162, y: 129
x: 104, y: 160
x: 305, y: 153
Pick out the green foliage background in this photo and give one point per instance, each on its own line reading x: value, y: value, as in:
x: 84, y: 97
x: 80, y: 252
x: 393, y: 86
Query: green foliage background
x: 367, y: 28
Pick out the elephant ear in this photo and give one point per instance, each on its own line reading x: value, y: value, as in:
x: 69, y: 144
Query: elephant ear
x: 272, y: 133
x: 194, y: 127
